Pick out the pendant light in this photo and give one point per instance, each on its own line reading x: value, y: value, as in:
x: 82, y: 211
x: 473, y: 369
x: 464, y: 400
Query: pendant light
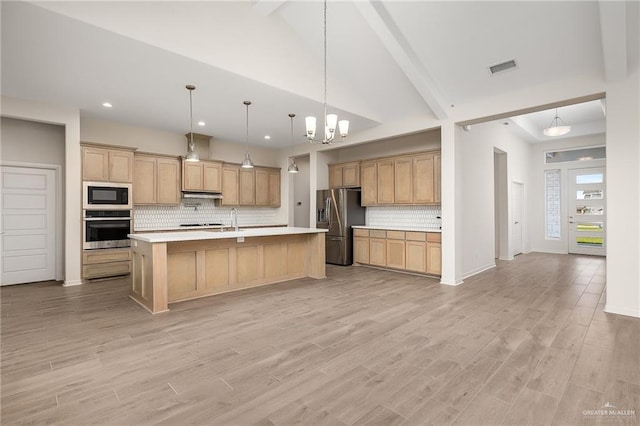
x: 555, y: 129
x: 330, y: 120
x: 293, y: 167
x: 192, y: 155
x: 247, y: 163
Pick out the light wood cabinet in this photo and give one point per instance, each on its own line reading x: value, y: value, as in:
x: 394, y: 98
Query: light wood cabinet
x: 437, y: 178
x: 106, y: 263
x: 403, y: 190
x: 369, y: 183
x: 202, y: 176
x: 107, y: 165
x: 386, y: 182
x: 378, y: 251
x: 423, y: 179
x: 274, y: 188
x: 411, y: 251
x: 345, y: 175
x: 156, y: 180
x: 262, y: 187
x: 230, y: 185
x: 247, y: 193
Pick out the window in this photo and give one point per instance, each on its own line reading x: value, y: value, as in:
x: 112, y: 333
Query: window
x: 582, y: 154
x: 552, y: 204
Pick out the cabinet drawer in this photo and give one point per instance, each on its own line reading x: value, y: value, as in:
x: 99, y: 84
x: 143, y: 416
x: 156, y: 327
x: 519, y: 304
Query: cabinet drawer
x: 105, y: 256
x: 103, y: 270
x: 377, y: 233
x: 434, y: 237
x: 416, y: 236
x: 395, y: 235
x: 360, y: 232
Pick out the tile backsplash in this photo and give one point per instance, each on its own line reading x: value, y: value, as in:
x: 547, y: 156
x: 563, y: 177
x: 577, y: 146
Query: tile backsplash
x: 407, y: 217
x: 201, y: 211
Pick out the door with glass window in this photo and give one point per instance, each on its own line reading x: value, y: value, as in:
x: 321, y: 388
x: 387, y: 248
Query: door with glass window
x: 587, y: 211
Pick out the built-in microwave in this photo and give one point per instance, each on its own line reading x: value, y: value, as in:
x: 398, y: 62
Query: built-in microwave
x: 106, y: 196
x: 106, y: 229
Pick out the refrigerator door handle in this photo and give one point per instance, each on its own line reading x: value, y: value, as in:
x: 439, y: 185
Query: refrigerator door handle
x: 328, y: 210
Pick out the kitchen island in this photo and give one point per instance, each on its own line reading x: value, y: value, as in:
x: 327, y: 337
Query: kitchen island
x: 175, y: 266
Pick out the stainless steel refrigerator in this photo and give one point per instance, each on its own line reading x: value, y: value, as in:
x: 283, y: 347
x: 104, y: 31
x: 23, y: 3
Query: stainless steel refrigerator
x: 337, y: 211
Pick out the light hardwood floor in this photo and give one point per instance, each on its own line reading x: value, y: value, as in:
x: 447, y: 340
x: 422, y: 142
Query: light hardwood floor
x: 525, y: 343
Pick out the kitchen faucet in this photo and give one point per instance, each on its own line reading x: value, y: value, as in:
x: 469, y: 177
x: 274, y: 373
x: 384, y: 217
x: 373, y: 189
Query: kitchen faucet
x: 234, y: 218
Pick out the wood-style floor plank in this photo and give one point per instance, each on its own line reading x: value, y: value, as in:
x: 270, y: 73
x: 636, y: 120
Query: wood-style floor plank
x: 524, y: 343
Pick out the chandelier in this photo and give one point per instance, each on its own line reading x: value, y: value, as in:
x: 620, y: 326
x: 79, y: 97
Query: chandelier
x: 330, y: 120
x: 555, y: 129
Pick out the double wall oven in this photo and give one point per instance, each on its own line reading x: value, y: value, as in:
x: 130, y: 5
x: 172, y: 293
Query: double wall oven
x: 106, y: 215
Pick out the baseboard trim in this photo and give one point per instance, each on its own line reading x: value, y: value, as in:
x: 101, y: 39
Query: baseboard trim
x: 72, y: 283
x: 506, y: 258
x: 451, y: 283
x: 478, y: 270
x: 621, y: 311
x: 550, y: 251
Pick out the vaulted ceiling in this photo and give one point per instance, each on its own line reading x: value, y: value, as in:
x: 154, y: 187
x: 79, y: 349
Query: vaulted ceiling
x: 393, y: 65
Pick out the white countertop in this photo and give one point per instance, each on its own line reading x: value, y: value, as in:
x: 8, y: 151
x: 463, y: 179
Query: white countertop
x: 165, y: 237
x: 391, y: 228
x: 196, y: 228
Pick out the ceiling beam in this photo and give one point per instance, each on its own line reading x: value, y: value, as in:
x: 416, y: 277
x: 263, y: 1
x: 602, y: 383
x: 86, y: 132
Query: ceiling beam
x: 613, y: 32
x: 266, y: 7
x: 391, y: 37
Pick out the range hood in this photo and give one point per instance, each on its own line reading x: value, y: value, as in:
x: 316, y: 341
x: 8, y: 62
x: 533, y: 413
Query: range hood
x: 202, y: 195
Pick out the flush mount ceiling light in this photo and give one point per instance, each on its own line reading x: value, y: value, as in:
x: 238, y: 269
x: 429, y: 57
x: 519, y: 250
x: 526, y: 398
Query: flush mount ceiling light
x: 201, y: 123
x: 293, y: 167
x: 247, y: 163
x: 192, y: 155
x: 555, y: 129
x: 107, y: 105
x: 330, y: 120
x: 267, y: 137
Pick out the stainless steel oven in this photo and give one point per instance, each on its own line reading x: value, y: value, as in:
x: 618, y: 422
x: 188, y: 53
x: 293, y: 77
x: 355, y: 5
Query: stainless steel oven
x: 106, y: 195
x: 106, y: 229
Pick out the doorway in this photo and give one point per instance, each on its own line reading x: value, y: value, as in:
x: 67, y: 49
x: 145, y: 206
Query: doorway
x: 517, y: 196
x: 301, y: 194
x: 587, y: 211
x: 501, y: 209
x: 28, y: 224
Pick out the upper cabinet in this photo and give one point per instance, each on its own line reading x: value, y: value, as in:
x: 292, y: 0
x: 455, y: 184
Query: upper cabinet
x: 259, y: 186
x: 408, y: 179
x: 345, y: 175
x: 107, y: 164
x: 202, y: 176
x: 156, y: 180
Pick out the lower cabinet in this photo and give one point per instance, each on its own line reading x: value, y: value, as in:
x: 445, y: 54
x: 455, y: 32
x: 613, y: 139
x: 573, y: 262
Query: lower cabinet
x: 418, y: 252
x: 106, y: 263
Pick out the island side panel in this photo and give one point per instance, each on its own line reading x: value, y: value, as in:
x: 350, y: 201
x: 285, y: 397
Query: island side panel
x: 316, y: 267
x: 149, y: 277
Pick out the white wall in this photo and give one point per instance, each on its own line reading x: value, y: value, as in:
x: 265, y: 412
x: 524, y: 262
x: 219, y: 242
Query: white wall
x: 477, y: 178
x: 70, y: 119
x: 537, y: 206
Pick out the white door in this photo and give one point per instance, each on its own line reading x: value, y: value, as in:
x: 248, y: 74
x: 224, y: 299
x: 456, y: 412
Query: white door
x: 517, y: 194
x: 28, y: 225
x: 587, y: 211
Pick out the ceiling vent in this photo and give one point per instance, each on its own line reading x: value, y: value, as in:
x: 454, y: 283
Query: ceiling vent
x: 505, y: 66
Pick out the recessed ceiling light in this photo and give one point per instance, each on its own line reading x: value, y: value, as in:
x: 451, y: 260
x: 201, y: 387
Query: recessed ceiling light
x: 107, y: 105
x: 267, y: 137
x: 201, y: 123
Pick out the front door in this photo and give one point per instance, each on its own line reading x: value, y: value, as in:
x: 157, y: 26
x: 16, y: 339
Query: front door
x: 28, y: 225
x: 587, y: 211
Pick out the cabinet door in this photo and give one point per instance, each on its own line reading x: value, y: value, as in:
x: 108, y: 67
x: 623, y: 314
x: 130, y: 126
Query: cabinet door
x: 95, y: 164
x: 212, y: 176
x: 437, y: 181
x: 423, y: 185
x: 262, y: 187
x: 416, y: 256
x: 247, y: 187
x: 168, y: 181
x: 378, y: 251
x: 192, y: 176
x: 351, y: 174
x: 230, y: 188
x: 403, y: 191
x: 335, y: 176
x: 274, y: 188
x: 386, y: 179
x: 369, y: 182
x: 144, y: 180
x: 434, y: 258
x: 395, y: 254
x: 120, y: 166
x: 361, y: 250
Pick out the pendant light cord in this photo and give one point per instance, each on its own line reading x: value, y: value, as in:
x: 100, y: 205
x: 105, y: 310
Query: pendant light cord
x: 247, y: 104
x: 191, y: 147
x: 325, y: 68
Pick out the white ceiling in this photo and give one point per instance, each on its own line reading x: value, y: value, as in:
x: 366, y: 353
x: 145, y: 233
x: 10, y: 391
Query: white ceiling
x: 389, y: 63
